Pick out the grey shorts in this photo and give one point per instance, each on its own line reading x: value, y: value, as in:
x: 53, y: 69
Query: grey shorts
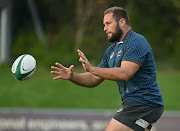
x: 138, y: 116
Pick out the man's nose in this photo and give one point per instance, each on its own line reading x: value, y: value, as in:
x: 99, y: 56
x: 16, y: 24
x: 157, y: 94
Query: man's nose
x: 105, y: 28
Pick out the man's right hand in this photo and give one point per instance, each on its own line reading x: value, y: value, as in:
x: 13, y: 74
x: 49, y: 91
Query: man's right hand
x: 62, y: 72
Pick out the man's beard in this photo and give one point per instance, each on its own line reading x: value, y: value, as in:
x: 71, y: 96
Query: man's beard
x: 117, y: 35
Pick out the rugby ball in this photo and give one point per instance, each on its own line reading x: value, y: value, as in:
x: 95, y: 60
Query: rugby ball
x: 23, y: 67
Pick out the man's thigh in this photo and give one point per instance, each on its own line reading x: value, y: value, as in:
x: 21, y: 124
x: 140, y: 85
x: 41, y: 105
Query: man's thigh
x: 115, y: 125
x: 138, y: 116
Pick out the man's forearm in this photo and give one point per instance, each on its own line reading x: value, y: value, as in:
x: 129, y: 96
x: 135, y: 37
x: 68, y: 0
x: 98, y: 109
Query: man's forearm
x: 123, y: 73
x: 86, y: 79
x: 116, y: 74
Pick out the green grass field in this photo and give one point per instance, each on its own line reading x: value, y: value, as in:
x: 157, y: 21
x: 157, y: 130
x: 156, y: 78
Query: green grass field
x: 41, y: 91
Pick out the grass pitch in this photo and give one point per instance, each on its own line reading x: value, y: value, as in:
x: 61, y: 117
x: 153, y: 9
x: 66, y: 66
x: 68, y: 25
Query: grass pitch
x: 41, y: 91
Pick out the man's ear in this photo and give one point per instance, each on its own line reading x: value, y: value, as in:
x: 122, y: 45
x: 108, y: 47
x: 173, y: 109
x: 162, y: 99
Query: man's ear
x: 122, y: 22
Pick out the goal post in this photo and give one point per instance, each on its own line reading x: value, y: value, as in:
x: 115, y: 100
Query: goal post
x: 5, y: 33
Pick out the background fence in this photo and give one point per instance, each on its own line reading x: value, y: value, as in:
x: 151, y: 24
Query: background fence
x: 71, y: 120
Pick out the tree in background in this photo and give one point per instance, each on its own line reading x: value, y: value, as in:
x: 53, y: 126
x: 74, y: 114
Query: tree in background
x: 69, y: 25
x: 85, y: 10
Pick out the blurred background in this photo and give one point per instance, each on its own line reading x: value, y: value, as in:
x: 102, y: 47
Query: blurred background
x: 52, y: 31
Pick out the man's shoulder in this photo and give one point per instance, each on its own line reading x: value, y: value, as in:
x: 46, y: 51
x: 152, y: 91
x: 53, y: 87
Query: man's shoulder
x: 136, y: 40
x: 133, y: 36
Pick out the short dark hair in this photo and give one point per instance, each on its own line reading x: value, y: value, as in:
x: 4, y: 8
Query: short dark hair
x: 118, y: 13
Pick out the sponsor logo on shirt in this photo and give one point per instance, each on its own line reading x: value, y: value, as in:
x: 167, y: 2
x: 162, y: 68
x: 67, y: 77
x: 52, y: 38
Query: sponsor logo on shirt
x: 119, y: 53
x: 112, y: 55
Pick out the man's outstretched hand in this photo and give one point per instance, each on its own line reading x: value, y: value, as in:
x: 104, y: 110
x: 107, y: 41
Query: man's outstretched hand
x: 62, y: 72
x: 85, y: 63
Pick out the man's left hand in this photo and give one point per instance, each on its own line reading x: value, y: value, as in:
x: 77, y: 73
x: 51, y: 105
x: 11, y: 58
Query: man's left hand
x: 85, y: 63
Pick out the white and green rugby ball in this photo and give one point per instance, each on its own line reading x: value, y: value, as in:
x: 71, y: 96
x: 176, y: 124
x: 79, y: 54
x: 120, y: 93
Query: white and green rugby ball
x: 23, y: 67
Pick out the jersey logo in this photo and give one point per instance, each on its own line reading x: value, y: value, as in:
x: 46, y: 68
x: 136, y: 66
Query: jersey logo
x: 119, y: 53
x: 112, y: 55
x: 127, y: 91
